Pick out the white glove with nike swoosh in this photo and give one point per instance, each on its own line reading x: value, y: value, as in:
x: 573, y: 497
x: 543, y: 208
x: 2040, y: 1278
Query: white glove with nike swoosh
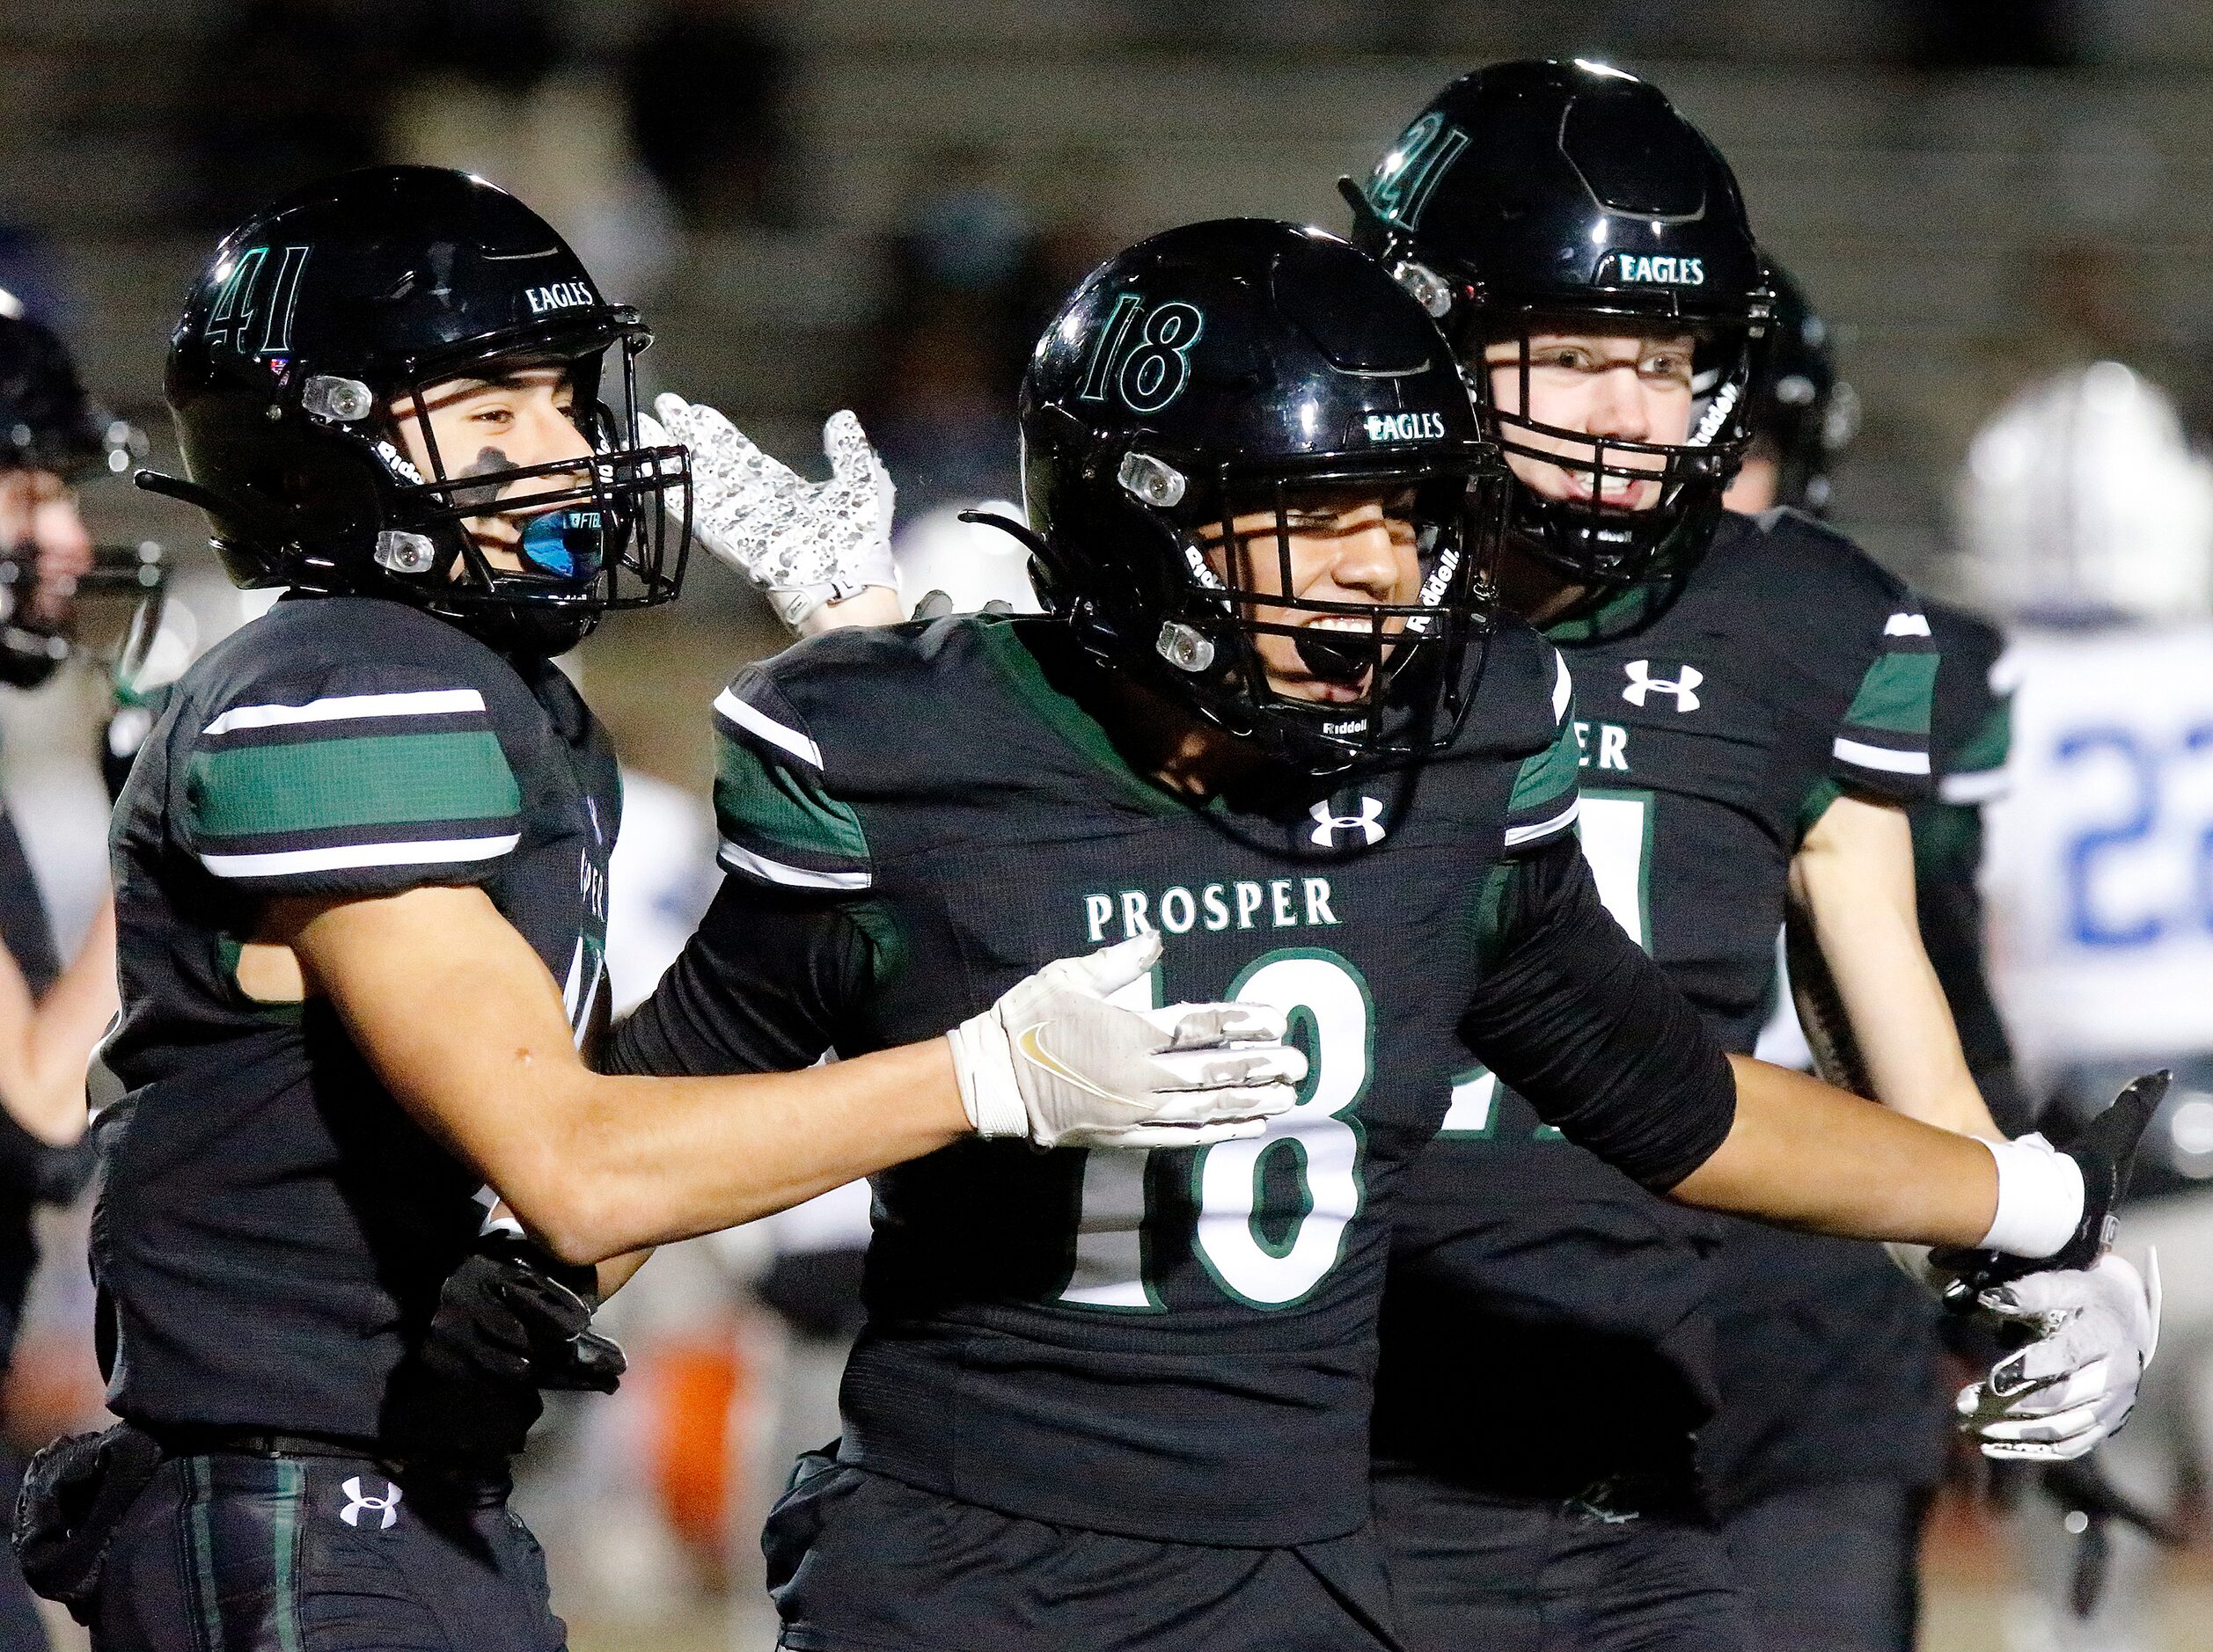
x: 1054, y: 1063
x: 801, y: 544
x: 2096, y: 1331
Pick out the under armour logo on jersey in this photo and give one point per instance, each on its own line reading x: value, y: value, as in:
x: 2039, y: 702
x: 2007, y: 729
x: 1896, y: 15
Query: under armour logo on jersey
x: 1368, y: 823
x: 1641, y: 682
x: 386, y: 1508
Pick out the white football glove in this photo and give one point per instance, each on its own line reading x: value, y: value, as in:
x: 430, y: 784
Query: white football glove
x: 801, y: 544
x: 1053, y: 1061
x: 2057, y: 1397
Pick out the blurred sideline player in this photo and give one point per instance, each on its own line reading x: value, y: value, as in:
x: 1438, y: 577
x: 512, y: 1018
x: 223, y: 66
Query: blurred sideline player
x: 2087, y: 521
x: 1248, y: 468
x: 50, y: 440
x: 1758, y: 698
x: 1814, y: 1435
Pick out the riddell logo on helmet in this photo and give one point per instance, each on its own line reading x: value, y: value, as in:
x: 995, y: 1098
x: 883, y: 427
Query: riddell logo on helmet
x: 1406, y: 426
x: 559, y: 296
x: 1678, y: 271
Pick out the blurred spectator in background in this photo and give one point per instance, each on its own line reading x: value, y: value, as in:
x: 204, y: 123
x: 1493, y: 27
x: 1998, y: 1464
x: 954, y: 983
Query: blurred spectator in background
x: 291, y: 89
x: 503, y: 46
x: 972, y: 280
x: 953, y: 335
x: 1998, y: 33
x: 706, y: 93
x: 494, y: 88
x: 2086, y: 520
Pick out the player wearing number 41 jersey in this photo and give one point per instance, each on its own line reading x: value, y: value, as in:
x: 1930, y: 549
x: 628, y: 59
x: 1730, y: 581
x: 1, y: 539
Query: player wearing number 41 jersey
x: 1120, y: 1397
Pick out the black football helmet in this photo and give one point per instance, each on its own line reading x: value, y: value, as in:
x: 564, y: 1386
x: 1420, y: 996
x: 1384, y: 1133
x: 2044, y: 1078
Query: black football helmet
x: 1243, y: 366
x: 1531, y: 193
x: 1803, y: 416
x: 47, y: 421
x: 322, y: 312
x: 48, y: 424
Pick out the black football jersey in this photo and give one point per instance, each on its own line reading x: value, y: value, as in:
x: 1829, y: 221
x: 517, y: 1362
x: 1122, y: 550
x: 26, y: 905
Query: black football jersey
x: 273, y: 1229
x: 1548, y: 1322
x: 1175, y: 1343
x: 1827, y: 1353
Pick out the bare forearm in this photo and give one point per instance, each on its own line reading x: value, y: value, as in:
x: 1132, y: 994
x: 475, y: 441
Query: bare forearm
x: 650, y: 1161
x: 1805, y: 1156
x: 1852, y: 886
x: 870, y: 605
x: 460, y: 1019
x: 43, y: 1083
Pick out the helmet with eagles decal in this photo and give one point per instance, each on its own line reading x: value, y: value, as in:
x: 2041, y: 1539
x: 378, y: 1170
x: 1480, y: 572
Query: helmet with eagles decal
x: 321, y: 314
x: 1241, y: 367
x: 1531, y: 195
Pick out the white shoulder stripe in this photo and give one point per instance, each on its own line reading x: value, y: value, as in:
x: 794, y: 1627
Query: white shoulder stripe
x: 1982, y: 785
x: 1562, y: 687
x: 740, y: 858
x: 1875, y: 757
x: 340, y: 856
x: 420, y: 703
x: 757, y: 721
x: 1906, y: 624
x: 1517, y: 834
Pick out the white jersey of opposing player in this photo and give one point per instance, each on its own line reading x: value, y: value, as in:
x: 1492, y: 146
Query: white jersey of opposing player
x: 660, y: 880
x: 971, y: 563
x: 2098, y: 864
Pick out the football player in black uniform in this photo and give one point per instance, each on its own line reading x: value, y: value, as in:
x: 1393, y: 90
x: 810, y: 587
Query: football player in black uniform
x: 1118, y: 1398
x: 1831, y: 1431
x: 360, y: 870
x: 1755, y: 696
x: 50, y: 439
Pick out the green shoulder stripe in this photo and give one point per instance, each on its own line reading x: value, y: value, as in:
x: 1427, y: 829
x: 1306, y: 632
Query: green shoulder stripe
x: 763, y: 804
x: 1987, y: 746
x: 1545, y: 781
x: 1894, y: 696
x: 319, y: 786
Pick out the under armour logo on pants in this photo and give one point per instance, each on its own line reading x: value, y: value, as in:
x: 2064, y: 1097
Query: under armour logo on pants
x: 386, y: 1508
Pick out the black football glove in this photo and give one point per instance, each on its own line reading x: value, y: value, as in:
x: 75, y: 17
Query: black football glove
x: 511, y: 1322
x: 2106, y: 1150
x: 513, y: 1311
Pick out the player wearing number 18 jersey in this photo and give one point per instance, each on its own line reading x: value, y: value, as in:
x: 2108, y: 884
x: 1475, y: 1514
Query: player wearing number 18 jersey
x: 1120, y: 1397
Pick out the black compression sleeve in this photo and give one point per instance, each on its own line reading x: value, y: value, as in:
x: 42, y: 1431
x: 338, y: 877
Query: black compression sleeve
x: 1576, y: 1017
x: 763, y: 987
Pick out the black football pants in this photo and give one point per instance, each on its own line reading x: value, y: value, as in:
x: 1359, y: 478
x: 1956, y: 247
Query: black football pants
x: 229, y: 1553
x: 21, y: 1628
x: 858, y: 1562
x: 1472, y: 1572
x: 1832, y: 1568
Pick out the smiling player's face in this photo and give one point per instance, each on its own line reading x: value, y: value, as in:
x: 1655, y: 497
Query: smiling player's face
x: 1352, y: 547
x: 482, y: 426
x: 1628, y: 385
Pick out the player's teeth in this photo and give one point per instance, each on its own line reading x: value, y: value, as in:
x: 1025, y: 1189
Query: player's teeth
x: 1338, y: 622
